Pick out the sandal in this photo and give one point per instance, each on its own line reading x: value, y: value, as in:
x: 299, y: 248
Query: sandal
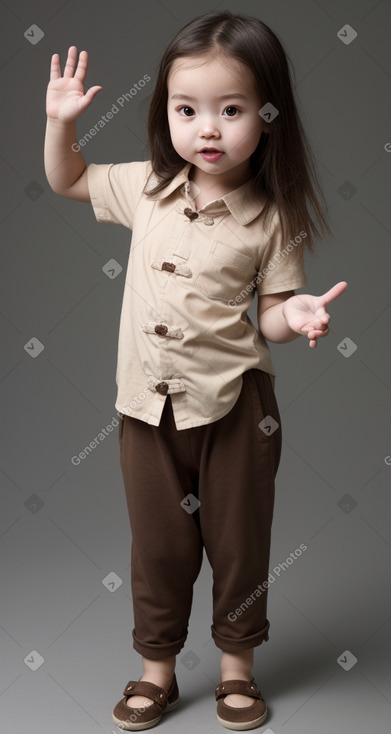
x: 245, y: 717
x: 144, y: 717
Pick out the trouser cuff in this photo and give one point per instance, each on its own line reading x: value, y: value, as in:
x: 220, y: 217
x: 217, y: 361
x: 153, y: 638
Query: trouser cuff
x: 230, y: 644
x: 157, y: 651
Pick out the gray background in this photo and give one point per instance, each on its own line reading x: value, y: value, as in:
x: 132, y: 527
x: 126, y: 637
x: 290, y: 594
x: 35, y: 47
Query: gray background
x: 65, y: 528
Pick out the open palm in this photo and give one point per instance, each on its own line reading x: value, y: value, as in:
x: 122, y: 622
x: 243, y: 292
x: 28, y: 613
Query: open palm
x: 65, y: 97
x: 306, y: 314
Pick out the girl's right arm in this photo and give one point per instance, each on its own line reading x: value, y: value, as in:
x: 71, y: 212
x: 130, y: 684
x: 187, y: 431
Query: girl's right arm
x: 65, y: 167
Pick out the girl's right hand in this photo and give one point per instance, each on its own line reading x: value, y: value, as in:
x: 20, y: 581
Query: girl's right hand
x: 65, y: 98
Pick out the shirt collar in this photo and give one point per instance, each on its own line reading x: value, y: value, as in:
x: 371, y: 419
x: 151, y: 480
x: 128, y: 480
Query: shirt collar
x: 241, y: 202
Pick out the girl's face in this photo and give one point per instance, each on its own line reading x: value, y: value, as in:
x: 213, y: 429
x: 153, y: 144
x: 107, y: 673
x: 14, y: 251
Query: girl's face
x: 214, y: 105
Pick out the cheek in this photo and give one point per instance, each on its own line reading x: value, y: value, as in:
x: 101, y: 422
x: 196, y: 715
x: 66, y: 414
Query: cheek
x: 180, y: 133
x: 170, y: 120
x: 178, y: 138
x: 249, y: 137
x: 246, y: 142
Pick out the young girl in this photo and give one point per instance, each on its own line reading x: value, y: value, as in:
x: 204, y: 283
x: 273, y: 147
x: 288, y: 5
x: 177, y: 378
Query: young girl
x: 219, y: 211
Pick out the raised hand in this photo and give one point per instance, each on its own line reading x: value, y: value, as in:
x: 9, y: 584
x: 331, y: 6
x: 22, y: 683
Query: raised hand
x: 65, y: 98
x: 307, y: 314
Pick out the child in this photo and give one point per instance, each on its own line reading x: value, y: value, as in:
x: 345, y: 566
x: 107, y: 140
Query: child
x: 218, y: 212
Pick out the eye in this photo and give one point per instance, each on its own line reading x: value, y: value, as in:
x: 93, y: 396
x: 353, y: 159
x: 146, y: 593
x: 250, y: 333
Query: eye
x: 185, y: 108
x: 231, y: 107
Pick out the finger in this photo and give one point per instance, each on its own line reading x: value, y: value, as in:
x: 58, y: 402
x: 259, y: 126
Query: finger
x: 317, y: 333
x: 82, y: 65
x: 321, y: 315
x: 70, y: 63
x: 88, y: 98
x: 319, y: 329
x: 333, y: 293
x: 90, y: 94
x: 55, y: 71
x: 320, y: 324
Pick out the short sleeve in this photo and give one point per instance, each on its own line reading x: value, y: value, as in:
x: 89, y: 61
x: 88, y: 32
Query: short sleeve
x: 282, y: 265
x: 115, y: 189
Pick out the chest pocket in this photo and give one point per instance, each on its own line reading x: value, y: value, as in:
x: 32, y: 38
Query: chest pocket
x: 225, y: 272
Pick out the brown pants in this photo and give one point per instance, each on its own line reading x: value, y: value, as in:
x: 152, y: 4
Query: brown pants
x: 228, y: 466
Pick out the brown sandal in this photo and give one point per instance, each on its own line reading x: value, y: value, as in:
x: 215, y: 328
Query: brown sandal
x: 144, y: 717
x: 244, y: 717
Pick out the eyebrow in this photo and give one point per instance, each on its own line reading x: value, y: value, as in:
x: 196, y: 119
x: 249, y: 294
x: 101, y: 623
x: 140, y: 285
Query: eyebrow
x: 225, y: 96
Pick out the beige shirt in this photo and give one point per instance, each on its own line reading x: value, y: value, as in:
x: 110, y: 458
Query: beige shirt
x: 184, y: 328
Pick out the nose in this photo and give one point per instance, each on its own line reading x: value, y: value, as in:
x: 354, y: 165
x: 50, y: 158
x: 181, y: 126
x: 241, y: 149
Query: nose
x: 209, y: 127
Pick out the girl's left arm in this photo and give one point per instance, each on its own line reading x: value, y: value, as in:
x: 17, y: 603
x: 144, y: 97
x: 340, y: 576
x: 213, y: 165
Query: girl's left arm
x: 299, y: 315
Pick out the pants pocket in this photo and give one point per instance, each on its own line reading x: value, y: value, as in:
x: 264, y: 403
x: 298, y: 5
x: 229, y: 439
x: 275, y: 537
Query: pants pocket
x: 266, y: 413
x: 121, y: 427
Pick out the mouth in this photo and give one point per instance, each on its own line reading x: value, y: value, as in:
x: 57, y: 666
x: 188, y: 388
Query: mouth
x: 211, y: 155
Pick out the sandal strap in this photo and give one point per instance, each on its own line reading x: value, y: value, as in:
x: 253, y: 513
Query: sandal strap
x: 247, y: 688
x: 148, y: 689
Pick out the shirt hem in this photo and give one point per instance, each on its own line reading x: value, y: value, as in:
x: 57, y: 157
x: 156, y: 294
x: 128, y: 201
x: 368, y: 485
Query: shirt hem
x: 182, y: 425
x: 153, y: 421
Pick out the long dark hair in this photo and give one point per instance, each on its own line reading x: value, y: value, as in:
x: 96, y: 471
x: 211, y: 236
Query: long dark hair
x: 283, y: 160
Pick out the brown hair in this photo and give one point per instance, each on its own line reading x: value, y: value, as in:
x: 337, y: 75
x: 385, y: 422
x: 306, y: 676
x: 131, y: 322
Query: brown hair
x: 283, y: 159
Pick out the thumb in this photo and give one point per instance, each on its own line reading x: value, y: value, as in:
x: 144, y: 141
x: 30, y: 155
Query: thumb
x: 91, y: 92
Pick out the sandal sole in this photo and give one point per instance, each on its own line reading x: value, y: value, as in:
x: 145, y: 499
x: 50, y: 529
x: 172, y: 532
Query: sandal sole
x: 243, y: 725
x: 130, y: 726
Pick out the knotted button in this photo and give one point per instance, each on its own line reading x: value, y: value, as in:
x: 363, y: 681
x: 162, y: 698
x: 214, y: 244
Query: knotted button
x: 190, y: 213
x: 162, y: 387
x: 168, y: 266
x: 161, y: 329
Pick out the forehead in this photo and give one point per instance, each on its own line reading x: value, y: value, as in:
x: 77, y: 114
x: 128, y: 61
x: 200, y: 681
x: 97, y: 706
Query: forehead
x: 212, y: 74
